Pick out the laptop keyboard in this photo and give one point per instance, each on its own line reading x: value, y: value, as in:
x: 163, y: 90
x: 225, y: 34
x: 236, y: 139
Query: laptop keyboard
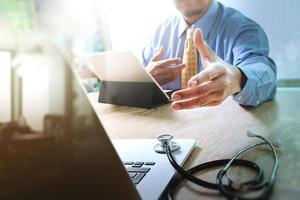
x: 138, y: 170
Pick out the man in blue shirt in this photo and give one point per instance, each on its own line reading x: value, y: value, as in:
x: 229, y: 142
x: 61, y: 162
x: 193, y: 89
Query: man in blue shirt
x: 234, y: 54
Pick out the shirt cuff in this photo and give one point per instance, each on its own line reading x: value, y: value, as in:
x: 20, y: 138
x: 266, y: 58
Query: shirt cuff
x: 243, y: 97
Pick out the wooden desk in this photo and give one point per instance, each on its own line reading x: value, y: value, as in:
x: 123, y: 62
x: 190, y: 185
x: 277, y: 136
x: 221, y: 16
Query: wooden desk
x: 220, y: 131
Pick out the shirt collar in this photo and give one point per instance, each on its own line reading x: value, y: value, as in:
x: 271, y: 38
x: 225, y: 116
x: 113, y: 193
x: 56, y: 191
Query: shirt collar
x: 205, y: 22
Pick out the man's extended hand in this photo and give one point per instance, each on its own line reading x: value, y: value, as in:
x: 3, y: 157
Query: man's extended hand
x: 164, y: 71
x: 211, y: 86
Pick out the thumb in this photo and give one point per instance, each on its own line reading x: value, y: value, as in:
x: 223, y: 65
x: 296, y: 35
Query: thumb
x: 158, y: 55
x: 207, y: 55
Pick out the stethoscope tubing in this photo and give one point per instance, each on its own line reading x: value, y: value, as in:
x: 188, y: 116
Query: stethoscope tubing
x: 266, y: 187
x: 227, y: 190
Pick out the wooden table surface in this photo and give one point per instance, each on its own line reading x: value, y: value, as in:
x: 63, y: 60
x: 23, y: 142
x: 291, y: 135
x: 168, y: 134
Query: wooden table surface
x: 220, y: 132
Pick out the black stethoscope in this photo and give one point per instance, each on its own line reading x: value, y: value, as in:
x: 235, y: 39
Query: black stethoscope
x: 231, y: 189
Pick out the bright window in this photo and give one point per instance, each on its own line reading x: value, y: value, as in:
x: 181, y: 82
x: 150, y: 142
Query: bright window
x: 131, y: 23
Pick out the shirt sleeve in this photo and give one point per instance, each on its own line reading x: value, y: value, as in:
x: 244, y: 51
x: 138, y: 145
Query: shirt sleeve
x: 147, y: 54
x: 251, y: 56
x: 153, y: 46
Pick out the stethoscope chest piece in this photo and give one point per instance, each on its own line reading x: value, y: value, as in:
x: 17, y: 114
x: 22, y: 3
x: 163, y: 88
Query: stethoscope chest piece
x: 166, y: 139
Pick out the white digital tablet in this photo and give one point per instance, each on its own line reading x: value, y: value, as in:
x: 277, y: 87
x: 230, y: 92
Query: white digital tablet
x: 124, y: 80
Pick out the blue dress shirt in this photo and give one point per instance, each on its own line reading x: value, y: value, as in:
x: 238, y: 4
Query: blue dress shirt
x: 233, y: 37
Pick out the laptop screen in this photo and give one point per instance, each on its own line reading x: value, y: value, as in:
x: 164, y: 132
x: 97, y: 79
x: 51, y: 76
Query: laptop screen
x: 52, y: 145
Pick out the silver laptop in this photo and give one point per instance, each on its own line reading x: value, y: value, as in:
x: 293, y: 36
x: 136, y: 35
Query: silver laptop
x: 53, y: 146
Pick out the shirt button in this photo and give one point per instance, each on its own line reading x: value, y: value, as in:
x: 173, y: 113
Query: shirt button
x: 257, y: 102
x: 239, y: 98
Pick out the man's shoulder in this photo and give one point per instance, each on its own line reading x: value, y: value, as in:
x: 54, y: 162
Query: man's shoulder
x: 234, y: 19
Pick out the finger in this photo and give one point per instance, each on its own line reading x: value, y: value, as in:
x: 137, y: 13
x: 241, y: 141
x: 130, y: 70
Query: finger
x: 172, y: 72
x: 191, y: 92
x: 168, y: 62
x: 158, y: 55
x: 215, y: 103
x: 207, y: 55
x: 201, y: 90
x: 206, y: 75
x: 177, y: 69
x: 197, y: 101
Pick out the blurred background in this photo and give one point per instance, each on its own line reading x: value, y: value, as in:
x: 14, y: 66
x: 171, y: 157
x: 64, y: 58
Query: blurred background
x: 39, y: 36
